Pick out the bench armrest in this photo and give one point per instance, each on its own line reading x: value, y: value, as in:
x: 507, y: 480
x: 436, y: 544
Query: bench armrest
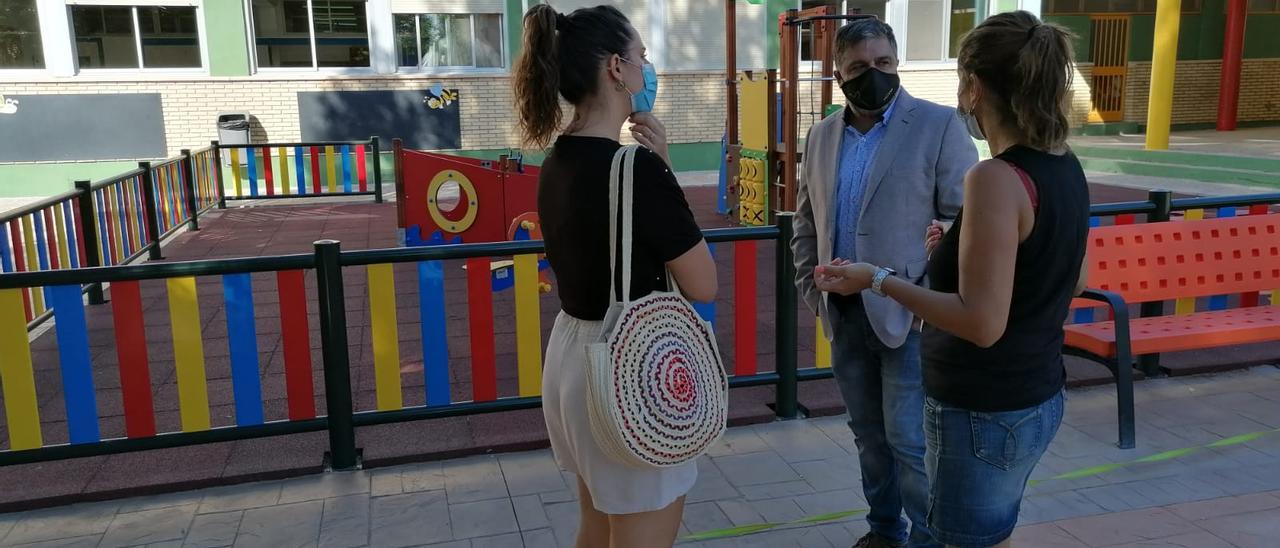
x: 1114, y: 301
x: 1123, y: 362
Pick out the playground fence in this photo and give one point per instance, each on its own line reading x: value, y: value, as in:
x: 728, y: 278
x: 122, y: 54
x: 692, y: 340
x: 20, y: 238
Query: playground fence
x: 303, y: 170
x: 120, y: 219
x: 295, y: 299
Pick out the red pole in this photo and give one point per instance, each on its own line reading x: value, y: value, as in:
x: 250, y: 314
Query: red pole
x: 1232, y: 53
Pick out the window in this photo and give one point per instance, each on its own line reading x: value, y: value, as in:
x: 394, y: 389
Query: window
x: 311, y: 33
x: 136, y: 37
x: 169, y: 37
x: 935, y: 27
x: 20, y: 46
x: 438, y: 40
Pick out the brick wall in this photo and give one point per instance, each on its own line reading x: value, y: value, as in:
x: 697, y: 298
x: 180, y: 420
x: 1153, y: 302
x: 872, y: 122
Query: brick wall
x: 691, y: 104
x: 1196, y: 85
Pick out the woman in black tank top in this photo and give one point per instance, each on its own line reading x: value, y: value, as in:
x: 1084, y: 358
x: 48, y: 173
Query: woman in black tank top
x: 1002, y: 279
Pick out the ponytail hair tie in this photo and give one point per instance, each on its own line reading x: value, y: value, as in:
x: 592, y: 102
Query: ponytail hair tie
x: 1031, y: 32
x: 562, y: 22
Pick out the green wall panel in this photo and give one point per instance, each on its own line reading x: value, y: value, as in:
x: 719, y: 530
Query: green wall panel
x: 1262, y: 36
x: 515, y: 28
x: 17, y: 180
x: 773, y: 9
x: 1082, y: 27
x: 1213, y: 20
x: 1199, y: 37
x: 226, y: 31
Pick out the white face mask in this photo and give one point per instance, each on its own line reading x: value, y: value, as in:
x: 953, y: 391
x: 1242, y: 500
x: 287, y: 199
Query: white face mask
x: 971, y: 124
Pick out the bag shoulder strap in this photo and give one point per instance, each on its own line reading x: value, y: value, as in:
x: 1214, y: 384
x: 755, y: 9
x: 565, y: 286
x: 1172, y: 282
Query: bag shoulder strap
x: 621, y: 181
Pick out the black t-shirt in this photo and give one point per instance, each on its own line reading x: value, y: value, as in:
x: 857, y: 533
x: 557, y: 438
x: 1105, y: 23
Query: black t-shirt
x: 1023, y: 368
x: 573, y: 206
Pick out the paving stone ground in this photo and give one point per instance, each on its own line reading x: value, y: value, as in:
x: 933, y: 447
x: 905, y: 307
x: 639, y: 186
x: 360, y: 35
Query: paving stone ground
x: 768, y: 473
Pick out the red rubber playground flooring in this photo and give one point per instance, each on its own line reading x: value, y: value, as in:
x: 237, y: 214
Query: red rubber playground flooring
x: 286, y: 229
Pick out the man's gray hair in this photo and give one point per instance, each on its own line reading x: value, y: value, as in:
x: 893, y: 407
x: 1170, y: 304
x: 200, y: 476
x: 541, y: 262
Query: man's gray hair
x: 859, y: 30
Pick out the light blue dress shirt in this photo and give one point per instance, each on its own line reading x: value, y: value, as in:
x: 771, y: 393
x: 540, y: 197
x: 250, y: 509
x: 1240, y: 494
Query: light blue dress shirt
x: 857, y: 152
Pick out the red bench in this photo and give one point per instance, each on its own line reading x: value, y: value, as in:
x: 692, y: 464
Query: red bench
x: 1156, y: 262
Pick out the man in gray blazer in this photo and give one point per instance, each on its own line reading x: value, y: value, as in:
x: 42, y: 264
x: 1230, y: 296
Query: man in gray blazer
x: 875, y: 177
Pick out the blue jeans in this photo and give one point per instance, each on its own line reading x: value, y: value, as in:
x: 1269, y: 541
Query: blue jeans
x: 884, y: 393
x: 979, y: 464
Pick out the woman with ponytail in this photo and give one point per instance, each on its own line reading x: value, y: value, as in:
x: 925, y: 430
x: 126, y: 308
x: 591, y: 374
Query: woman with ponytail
x: 593, y: 59
x: 1002, y: 279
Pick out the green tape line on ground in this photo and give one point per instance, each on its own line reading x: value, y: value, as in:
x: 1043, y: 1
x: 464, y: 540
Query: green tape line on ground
x: 761, y: 527
x: 1162, y: 456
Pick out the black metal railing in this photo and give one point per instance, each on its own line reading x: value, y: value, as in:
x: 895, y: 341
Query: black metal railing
x: 342, y: 414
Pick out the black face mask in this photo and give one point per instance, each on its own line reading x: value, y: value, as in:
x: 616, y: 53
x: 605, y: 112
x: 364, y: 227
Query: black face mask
x: 871, y: 91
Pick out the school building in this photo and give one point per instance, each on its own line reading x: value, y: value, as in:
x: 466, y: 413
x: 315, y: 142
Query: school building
x: 92, y: 86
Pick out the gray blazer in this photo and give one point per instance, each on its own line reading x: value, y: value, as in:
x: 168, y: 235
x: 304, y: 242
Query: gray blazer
x: 917, y: 175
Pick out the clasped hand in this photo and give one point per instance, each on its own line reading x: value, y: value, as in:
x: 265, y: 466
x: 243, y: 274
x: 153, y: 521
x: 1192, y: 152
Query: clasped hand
x: 846, y: 278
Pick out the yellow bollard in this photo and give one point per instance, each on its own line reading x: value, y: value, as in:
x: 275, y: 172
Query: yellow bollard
x: 1163, y: 65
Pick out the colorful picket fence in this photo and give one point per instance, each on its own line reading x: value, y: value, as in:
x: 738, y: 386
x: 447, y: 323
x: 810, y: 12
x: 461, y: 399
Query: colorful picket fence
x: 173, y: 205
x: 304, y: 169
x: 133, y: 343
x: 105, y: 223
x: 47, y: 235
x: 386, y: 304
x: 248, y: 323
x: 130, y: 338
x: 208, y: 177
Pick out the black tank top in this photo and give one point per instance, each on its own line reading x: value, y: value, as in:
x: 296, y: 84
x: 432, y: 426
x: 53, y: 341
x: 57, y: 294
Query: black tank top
x: 1023, y: 368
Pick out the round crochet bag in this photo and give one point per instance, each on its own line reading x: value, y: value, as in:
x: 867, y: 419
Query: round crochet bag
x: 657, y: 391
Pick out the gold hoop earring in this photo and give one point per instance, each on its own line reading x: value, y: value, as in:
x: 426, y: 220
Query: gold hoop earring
x: 620, y: 86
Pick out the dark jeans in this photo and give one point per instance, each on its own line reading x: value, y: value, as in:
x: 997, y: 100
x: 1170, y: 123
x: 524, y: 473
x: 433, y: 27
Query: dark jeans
x: 884, y: 393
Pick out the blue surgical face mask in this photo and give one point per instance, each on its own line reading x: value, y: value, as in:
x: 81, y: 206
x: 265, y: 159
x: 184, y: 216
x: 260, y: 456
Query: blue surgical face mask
x: 971, y: 124
x: 643, y: 100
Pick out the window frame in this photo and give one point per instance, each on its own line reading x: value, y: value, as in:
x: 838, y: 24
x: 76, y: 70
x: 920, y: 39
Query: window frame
x: 451, y: 69
x: 201, y: 39
x: 315, y: 68
x: 44, y: 55
x: 945, y: 61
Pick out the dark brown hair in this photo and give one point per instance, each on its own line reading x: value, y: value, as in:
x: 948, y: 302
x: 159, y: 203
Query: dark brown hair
x: 561, y: 56
x: 1028, y: 65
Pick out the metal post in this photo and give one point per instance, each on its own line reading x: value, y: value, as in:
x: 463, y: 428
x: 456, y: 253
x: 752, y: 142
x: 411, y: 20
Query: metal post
x: 731, y: 70
x: 785, y: 402
x: 1232, y: 57
x: 377, y: 170
x: 217, y: 174
x: 89, y: 230
x: 343, y: 454
x: 790, y: 100
x: 1163, y: 200
x: 397, y: 152
x: 1164, y: 63
x: 189, y: 182
x: 153, y: 219
x: 773, y: 173
x: 825, y: 34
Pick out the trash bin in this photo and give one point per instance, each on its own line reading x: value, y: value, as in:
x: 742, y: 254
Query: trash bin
x: 233, y: 129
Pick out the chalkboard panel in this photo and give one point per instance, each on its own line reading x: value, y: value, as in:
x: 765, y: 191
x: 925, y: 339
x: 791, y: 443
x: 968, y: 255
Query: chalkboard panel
x: 81, y: 127
x: 425, y: 119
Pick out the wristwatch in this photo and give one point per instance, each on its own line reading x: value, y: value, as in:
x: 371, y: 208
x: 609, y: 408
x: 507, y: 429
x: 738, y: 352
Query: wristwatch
x: 877, y: 281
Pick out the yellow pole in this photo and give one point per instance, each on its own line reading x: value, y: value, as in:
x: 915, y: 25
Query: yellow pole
x: 1164, y: 61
